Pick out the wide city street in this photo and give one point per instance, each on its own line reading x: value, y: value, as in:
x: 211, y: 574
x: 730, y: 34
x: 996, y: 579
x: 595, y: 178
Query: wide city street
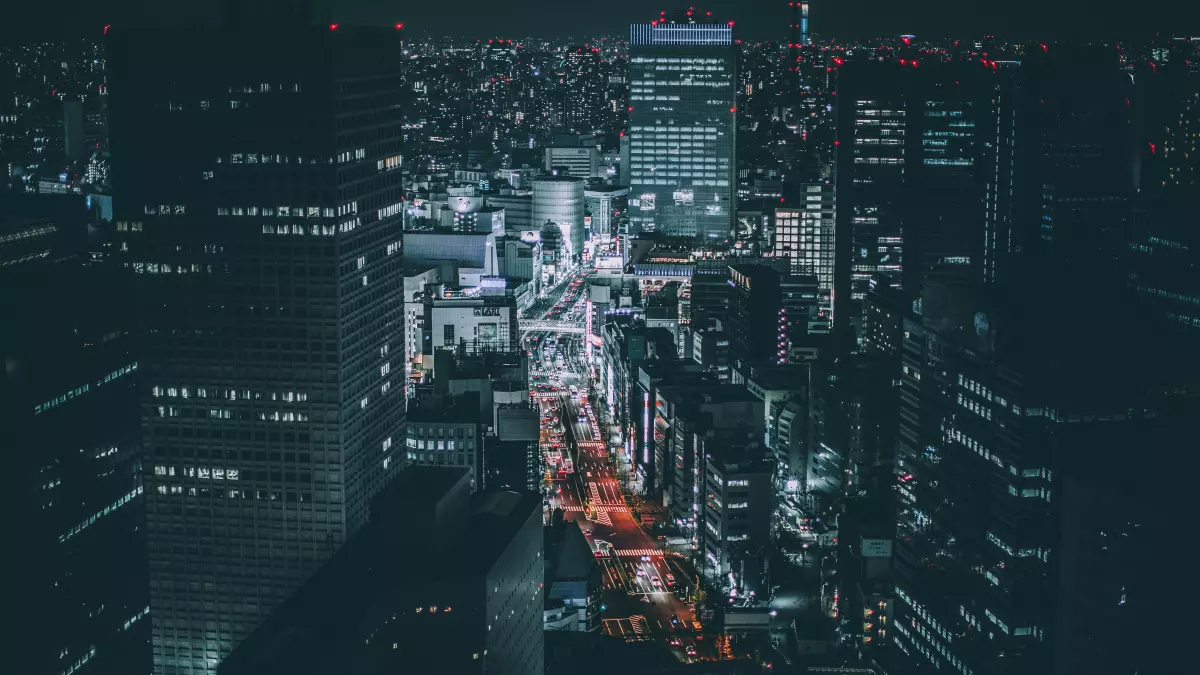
x: 646, y: 588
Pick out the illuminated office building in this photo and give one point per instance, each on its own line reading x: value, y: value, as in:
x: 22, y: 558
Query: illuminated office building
x: 682, y: 128
x: 259, y: 216
x: 805, y: 235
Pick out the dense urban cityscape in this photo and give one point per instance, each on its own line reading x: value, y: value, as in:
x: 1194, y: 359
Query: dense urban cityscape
x: 343, y: 348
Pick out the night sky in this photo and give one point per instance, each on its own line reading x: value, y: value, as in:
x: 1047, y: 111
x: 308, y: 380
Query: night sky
x: 756, y: 19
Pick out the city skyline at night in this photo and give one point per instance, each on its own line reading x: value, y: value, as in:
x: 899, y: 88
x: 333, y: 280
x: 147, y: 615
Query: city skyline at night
x: 780, y: 336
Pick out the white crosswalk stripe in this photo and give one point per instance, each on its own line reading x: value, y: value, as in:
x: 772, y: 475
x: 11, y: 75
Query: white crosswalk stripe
x: 600, y: 508
x: 639, y: 624
x: 638, y: 552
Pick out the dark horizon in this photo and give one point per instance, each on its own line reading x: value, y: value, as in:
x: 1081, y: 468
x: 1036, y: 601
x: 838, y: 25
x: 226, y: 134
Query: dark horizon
x: 1079, y: 20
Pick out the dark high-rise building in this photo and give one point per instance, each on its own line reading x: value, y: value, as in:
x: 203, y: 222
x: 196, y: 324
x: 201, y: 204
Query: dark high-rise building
x: 910, y: 193
x: 1058, y: 166
x: 259, y: 216
x: 73, y: 486
x: 682, y: 127
x: 1083, y: 175
x: 1004, y: 554
x: 772, y: 315
x: 1162, y: 257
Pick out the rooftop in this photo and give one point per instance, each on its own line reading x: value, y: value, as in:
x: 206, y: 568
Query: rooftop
x: 320, y: 628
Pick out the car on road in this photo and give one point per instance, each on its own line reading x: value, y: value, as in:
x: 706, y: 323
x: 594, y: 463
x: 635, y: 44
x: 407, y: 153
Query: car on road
x: 641, y: 572
x: 674, y: 641
x: 674, y: 619
x: 656, y: 582
x: 670, y: 579
x: 586, y: 533
x: 645, y: 558
x: 691, y: 651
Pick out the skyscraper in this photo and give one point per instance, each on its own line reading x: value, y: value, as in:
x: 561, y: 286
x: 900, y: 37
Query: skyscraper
x: 1008, y: 442
x: 1060, y: 165
x: 73, y: 477
x: 261, y: 214
x: 910, y: 186
x: 682, y: 124
x: 805, y: 234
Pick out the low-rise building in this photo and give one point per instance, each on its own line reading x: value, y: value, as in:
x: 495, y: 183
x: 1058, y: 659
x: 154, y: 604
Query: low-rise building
x: 738, y: 499
x: 444, y: 431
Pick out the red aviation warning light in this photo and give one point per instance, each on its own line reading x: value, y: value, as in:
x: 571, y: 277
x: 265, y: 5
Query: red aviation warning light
x: 399, y: 26
x: 333, y: 26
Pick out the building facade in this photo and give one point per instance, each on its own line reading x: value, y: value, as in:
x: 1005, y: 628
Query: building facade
x: 807, y: 237
x: 605, y: 206
x: 73, y: 478
x: 559, y: 200
x: 682, y: 129
x: 265, y: 254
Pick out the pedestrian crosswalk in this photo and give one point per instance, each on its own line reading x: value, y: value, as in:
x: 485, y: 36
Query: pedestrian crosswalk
x: 639, y: 624
x: 637, y: 552
x: 600, y: 508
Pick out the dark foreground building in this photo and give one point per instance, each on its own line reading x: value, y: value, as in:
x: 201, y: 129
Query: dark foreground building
x: 258, y: 214
x: 72, y: 484
x: 468, y: 601
x: 1034, y: 497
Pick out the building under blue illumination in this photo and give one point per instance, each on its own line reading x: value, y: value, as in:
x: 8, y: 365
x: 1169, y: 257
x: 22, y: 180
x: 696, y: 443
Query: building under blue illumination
x: 682, y: 123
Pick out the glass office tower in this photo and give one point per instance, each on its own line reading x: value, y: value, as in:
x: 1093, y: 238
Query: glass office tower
x: 682, y: 126
x: 259, y: 216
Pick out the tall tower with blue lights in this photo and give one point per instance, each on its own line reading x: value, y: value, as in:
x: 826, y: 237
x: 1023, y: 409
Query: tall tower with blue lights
x: 682, y: 111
